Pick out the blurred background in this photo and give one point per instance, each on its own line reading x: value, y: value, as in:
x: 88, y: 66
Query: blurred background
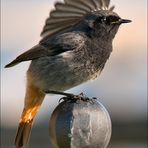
x: 122, y: 86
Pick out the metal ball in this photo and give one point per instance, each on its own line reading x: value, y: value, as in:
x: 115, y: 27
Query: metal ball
x: 80, y: 124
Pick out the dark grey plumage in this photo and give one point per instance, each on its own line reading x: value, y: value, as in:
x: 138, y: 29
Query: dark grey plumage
x: 76, y: 43
x: 77, y: 16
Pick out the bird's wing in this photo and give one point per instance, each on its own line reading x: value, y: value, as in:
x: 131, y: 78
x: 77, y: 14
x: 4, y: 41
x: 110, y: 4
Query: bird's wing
x: 58, y: 45
x: 69, y: 13
x: 65, y: 15
x: 35, y: 52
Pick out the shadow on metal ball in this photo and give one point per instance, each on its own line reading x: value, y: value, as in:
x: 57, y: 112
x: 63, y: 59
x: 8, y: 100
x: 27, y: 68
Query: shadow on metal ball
x: 80, y: 124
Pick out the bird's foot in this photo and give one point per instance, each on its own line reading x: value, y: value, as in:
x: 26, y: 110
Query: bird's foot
x: 71, y: 97
x: 74, y: 98
x: 77, y: 98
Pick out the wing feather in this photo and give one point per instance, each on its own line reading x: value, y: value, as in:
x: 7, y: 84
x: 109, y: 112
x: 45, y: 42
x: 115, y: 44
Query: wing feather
x: 89, y: 3
x: 61, y: 14
x: 70, y: 8
x: 52, y: 28
x: 65, y: 15
x: 105, y: 4
x: 54, y: 21
x: 98, y: 4
x: 69, y: 12
x: 79, y: 4
x: 57, y: 46
x: 35, y: 52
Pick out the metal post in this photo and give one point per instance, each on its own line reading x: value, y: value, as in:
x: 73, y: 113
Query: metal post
x: 80, y: 124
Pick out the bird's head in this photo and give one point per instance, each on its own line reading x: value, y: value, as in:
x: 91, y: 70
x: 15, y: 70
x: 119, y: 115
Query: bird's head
x: 104, y: 23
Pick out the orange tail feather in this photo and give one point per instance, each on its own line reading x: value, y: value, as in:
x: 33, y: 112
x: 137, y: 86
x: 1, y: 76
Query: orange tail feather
x: 25, y: 126
x: 23, y: 134
x: 33, y: 101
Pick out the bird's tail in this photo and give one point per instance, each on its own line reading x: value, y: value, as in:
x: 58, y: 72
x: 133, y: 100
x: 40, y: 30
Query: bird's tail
x: 33, y: 102
x: 24, y: 128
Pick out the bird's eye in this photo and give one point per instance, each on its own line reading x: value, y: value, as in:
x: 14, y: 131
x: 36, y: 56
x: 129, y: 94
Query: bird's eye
x: 101, y: 19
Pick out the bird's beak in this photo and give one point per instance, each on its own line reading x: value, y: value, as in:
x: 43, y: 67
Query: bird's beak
x: 121, y: 21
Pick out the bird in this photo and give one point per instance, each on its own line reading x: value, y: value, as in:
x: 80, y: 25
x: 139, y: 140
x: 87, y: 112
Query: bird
x: 76, y: 41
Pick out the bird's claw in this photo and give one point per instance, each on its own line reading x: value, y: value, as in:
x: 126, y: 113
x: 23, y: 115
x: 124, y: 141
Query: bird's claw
x: 66, y: 99
x: 75, y: 98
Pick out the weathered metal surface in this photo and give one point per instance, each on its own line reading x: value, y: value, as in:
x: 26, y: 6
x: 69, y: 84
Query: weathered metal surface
x: 81, y: 124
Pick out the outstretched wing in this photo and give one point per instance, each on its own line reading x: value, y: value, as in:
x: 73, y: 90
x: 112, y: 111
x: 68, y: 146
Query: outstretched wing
x: 58, y: 45
x: 70, y: 12
x: 65, y: 15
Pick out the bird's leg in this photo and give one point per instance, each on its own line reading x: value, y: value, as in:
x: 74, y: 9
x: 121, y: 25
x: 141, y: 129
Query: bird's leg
x: 59, y: 93
x: 69, y: 96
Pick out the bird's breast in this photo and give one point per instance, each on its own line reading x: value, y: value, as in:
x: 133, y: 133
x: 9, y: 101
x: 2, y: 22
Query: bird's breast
x: 92, y: 56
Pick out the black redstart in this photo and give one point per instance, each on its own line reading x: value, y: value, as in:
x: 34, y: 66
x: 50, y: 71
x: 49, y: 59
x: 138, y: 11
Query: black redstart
x: 76, y: 43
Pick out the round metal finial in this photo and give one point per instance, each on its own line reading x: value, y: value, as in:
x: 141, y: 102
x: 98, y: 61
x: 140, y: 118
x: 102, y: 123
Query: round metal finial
x: 80, y: 124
